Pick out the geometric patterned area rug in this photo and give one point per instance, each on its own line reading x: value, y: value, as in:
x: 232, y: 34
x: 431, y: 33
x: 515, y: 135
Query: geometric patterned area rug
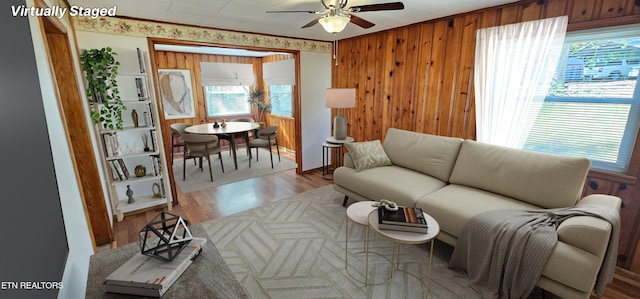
x: 197, y: 179
x: 295, y: 248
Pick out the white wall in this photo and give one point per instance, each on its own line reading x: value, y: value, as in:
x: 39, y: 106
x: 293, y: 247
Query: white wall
x: 77, y: 229
x: 315, y: 78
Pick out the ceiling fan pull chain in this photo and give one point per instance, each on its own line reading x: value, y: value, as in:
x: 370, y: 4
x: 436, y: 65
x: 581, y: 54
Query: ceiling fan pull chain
x: 335, y: 48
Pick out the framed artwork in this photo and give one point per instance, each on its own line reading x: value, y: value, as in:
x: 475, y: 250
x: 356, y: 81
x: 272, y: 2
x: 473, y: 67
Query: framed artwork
x: 177, y: 93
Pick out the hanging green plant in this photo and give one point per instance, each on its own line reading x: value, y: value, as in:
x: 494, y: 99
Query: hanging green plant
x: 101, y: 70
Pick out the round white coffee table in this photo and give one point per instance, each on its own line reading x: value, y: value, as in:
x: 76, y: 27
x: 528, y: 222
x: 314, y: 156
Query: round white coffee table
x: 358, y: 213
x: 400, y: 237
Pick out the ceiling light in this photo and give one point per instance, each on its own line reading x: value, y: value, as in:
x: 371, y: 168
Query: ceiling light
x: 334, y: 24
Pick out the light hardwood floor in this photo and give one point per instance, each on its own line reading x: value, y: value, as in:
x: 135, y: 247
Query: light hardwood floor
x: 214, y: 203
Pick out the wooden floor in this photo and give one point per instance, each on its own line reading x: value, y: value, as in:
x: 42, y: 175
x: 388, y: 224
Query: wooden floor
x: 214, y: 203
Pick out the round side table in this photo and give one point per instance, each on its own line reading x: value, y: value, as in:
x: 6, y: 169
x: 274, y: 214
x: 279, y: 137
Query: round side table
x: 332, y: 147
x: 327, y: 167
x: 358, y: 213
x: 400, y: 237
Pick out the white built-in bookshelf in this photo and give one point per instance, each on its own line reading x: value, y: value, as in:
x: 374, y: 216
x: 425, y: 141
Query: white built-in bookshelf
x: 123, y: 150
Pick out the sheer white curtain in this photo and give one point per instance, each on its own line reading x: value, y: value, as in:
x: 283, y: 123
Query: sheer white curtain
x: 513, y: 70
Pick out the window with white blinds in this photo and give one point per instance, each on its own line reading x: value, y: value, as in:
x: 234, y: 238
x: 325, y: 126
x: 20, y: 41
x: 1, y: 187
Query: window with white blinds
x: 281, y: 99
x: 592, y: 109
x: 227, y: 100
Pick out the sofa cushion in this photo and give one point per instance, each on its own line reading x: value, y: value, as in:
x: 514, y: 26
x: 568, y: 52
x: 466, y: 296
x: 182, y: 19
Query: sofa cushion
x: 368, y: 154
x: 430, y: 154
x: 453, y: 205
x: 545, y: 180
x: 400, y: 185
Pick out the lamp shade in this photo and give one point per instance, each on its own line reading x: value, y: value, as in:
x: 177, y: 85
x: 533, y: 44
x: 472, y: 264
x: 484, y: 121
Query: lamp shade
x: 341, y: 97
x: 334, y: 24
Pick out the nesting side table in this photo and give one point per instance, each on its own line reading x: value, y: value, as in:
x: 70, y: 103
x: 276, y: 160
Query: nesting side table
x: 358, y: 213
x: 400, y: 237
x: 332, y: 147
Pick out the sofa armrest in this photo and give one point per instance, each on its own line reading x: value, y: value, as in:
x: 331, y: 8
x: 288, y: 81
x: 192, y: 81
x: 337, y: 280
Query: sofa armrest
x: 610, y: 201
x: 589, y: 233
x: 347, y: 161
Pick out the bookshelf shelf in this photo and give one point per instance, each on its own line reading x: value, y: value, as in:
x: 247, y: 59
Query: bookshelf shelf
x: 141, y: 75
x: 129, y: 128
x: 132, y: 155
x: 134, y: 180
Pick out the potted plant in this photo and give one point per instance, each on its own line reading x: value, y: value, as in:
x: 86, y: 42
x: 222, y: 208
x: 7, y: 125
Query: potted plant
x: 101, y: 69
x: 259, y: 104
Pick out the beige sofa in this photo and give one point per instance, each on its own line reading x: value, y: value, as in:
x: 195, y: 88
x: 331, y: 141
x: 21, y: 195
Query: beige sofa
x: 454, y: 179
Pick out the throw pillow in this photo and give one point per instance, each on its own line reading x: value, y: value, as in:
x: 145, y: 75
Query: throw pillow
x: 368, y: 154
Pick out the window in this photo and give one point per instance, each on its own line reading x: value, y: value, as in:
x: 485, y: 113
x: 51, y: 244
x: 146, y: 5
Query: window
x: 281, y: 100
x: 226, y: 100
x: 592, y: 108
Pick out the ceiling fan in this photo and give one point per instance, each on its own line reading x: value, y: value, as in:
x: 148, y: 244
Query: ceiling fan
x: 335, y: 16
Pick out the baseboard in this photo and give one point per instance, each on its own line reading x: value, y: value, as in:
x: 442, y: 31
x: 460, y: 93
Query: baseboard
x: 627, y: 277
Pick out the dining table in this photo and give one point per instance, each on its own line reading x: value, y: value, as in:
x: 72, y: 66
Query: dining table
x: 232, y: 128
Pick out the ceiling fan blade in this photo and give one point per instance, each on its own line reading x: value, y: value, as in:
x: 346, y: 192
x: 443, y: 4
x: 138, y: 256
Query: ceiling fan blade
x: 315, y: 21
x: 361, y: 22
x: 377, y: 7
x: 279, y: 11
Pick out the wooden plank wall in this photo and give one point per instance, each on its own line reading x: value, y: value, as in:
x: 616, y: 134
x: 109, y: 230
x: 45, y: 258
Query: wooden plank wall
x: 420, y: 78
x: 286, y: 130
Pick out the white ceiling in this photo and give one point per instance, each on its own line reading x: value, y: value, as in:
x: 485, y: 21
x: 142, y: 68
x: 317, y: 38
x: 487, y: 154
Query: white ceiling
x: 250, y: 16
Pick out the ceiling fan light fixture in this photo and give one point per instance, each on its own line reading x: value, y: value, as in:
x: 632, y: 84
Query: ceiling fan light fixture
x: 334, y: 24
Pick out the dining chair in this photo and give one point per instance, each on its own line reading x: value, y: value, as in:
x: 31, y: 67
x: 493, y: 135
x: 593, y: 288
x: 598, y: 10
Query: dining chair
x: 200, y: 146
x: 177, y: 130
x: 244, y: 136
x: 265, y: 138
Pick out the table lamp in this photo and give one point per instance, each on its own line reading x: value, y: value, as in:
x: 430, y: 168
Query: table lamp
x: 340, y: 98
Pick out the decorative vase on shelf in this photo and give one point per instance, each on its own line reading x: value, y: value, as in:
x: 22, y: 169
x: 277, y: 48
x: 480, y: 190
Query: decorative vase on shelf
x: 130, y: 194
x: 216, y: 125
x: 145, y: 142
x: 134, y: 117
x: 140, y: 171
x: 223, y: 124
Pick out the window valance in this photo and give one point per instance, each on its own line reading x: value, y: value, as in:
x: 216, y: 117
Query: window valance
x: 280, y: 72
x: 226, y: 74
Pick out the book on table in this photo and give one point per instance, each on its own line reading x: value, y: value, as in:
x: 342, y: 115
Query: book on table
x: 403, y: 216
x: 150, y: 276
x: 404, y: 219
x: 403, y: 228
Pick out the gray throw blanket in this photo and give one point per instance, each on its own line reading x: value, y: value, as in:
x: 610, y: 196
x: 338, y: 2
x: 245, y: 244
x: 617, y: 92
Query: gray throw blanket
x: 504, y: 251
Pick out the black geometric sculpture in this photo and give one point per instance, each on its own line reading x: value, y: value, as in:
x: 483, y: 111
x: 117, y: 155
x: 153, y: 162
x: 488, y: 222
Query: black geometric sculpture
x: 165, y: 236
